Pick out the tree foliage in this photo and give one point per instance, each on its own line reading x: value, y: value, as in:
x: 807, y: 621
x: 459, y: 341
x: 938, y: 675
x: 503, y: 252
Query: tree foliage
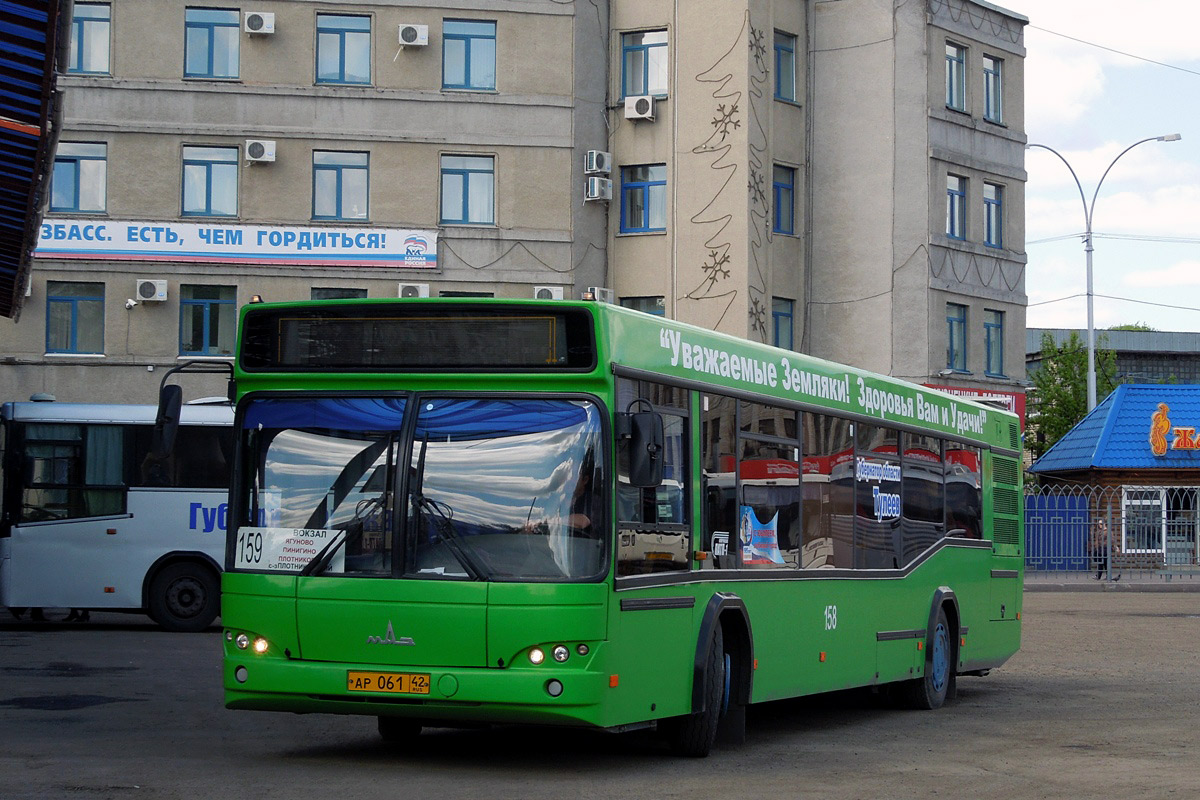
x: 1132, y: 326
x: 1058, y: 400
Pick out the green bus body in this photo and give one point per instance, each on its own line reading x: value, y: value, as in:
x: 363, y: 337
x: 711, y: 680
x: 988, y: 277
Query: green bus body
x: 637, y: 645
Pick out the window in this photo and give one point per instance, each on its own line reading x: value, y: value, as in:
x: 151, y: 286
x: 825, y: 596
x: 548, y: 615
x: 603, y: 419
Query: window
x: 923, y: 487
x: 828, y: 504
x: 653, y: 531
x: 993, y: 215
x: 468, y: 189
x: 644, y: 63
x: 956, y: 61
x: 877, y: 498
x: 993, y: 85
x: 782, y: 314
x: 343, y: 49
x: 644, y: 198
x: 207, y: 320
x: 340, y: 182
x: 457, y: 293
x: 956, y: 337
x: 74, y: 317
x: 210, y: 178
x: 993, y: 342
x: 210, y: 43
x: 74, y: 471
x: 785, y: 66
x: 655, y: 305
x: 956, y: 207
x: 468, y: 54
x: 89, y: 38
x: 785, y: 195
x: 332, y: 293
x: 80, y: 178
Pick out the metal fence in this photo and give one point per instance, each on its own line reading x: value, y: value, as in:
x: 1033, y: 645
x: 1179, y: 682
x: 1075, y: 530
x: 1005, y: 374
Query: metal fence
x: 1111, y: 533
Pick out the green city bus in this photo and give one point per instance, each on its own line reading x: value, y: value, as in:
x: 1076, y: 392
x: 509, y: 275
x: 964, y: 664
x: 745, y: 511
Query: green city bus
x: 453, y: 512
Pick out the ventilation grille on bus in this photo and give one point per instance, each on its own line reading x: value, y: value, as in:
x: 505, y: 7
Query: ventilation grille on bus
x: 1005, y: 470
x: 1006, y: 531
x: 1005, y: 501
x: 1014, y: 436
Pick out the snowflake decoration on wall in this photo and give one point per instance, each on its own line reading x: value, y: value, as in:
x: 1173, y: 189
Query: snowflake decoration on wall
x: 715, y: 268
x: 758, y: 47
x: 725, y: 120
x: 758, y: 189
x: 758, y: 317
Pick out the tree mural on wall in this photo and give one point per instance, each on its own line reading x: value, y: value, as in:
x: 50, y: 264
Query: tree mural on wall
x: 761, y: 181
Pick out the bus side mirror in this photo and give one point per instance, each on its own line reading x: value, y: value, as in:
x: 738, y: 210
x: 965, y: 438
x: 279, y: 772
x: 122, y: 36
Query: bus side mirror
x: 166, y: 422
x: 642, y: 434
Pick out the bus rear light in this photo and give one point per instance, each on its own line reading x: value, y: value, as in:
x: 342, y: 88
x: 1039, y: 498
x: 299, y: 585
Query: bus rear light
x: 536, y: 656
x: 561, y: 653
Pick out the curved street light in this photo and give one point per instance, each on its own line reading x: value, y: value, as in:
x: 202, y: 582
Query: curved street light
x: 1088, y: 210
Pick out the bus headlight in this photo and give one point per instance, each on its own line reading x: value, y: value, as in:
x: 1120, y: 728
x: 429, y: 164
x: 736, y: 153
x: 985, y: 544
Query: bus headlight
x: 242, y: 641
x: 260, y: 645
x: 537, y: 655
x: 561, y: 653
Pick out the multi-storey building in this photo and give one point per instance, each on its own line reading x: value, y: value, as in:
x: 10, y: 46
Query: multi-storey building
x: 843, y: 178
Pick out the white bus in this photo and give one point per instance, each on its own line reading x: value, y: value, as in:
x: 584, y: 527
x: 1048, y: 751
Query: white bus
x: 91, y: 519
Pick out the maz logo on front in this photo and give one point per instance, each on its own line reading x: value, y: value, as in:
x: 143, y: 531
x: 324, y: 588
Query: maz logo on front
x: 390, y: 638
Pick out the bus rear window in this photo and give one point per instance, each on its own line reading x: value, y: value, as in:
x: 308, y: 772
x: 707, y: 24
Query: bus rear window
x: 422, y: 337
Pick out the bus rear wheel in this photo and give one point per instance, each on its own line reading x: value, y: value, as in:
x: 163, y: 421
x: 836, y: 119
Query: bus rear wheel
x: 930, y: 690
x: 185, y: 596
x: 695, y: 734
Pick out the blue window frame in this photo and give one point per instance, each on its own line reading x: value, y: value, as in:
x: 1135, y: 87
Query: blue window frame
x: 644, y: 63
x: 468, y: 54
x: 210, y: 43
x: 785, y: 66
x: 210, y: 177
x: 956, y: 207
x: 74, y: 317
x: 90, y: 27
x: 644, y: 198
x: 207, y: 320
x: 341, y: 183
x: 784, y: 183
x: 652, y: 304
x: 956, y: 70
x: 956, y: 337
x: 782, y: 314
x: 468, y: 190
x: 80, y: 177
x: 993, y: 341
x: 343, y: 49
x: 993, y: 85
x: 993, y: 215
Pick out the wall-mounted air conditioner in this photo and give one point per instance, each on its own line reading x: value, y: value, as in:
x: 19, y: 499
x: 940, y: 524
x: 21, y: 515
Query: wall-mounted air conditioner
x: 151, y: 290
x: 414, y: 290
x: 260, y: 150
x: 414, y: 35
x: 258, y: 22
x: 597, y: 189
x: 548, y: 292
x: 597, y: 162
x: 601, y: 294
x: 640, y: 107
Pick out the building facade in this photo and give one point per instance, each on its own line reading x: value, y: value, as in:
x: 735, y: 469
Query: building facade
x: 840, y: 178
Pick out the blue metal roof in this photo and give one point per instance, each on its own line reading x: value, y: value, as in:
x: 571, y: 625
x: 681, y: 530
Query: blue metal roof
x: 1116, y: 434
x: 28, y: 43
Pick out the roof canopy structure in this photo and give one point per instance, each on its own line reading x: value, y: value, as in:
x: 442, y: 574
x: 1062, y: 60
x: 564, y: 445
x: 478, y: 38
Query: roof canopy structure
x: 29, y: 39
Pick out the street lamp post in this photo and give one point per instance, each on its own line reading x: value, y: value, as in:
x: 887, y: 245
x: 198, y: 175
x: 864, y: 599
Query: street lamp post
x: 1088, y: 209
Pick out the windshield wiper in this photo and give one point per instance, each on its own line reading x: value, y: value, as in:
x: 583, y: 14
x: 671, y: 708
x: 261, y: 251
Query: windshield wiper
x: 323, y: 557
x: 444, y: 515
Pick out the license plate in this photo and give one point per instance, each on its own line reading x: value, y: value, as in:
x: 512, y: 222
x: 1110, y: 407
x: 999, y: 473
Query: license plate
x: 394, y: 682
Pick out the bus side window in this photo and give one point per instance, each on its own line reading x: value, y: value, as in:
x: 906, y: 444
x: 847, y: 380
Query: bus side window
x: 73, y: 471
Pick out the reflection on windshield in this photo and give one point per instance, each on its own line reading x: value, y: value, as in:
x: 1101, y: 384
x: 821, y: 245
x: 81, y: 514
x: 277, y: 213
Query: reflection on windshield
x: 502, y: 489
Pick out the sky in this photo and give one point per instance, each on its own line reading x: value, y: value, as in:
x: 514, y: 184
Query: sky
x: 1090, y: 103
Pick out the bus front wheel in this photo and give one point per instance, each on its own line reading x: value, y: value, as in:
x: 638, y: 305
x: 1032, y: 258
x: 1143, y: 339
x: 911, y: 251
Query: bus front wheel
x: 185, y: 596
x: 695, y: 734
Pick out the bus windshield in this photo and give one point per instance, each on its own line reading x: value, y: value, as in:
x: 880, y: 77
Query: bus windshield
x: 496, y: 488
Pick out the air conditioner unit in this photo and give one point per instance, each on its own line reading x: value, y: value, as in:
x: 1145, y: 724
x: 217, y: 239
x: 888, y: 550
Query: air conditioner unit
x: 414, y: 35
x: 414, y: 290
x: 601, y: 294
x: 258, y: 150
x: 640, y: 107
x: 548, y: 292
x: 597, y: 162
x: 151, y: 291
x: 597, y: 189
x: 258, y: 22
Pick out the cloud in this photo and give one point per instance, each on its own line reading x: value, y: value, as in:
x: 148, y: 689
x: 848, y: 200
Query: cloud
x: 1181, y: 273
